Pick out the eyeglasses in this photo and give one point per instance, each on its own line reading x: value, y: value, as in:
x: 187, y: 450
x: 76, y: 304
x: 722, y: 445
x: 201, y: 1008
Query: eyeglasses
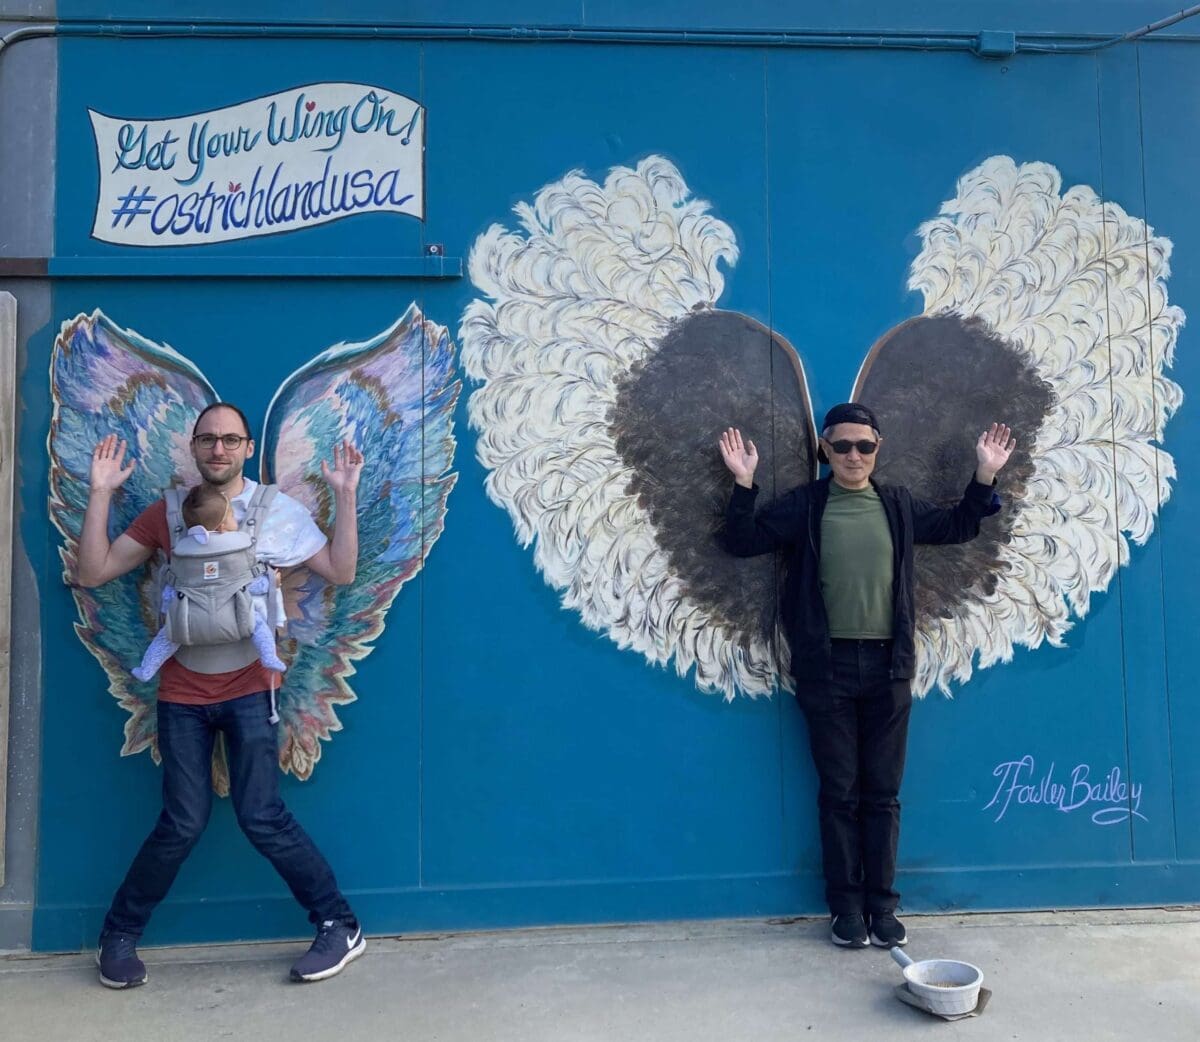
x: 231, y: 442
x: 865, y: 448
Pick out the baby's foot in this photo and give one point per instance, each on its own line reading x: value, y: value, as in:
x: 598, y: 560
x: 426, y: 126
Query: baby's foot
x: 144, y: 673
x: 274, y: 662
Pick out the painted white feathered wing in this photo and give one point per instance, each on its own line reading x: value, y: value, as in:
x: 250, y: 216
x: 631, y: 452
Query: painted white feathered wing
x: 1078, y: 287
x: 582, y: 294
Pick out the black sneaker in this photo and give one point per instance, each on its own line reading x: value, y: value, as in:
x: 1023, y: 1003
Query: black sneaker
x: 849, y: 930
x: 887, y: 931
x: 118, y: 960
x: 336, y: 945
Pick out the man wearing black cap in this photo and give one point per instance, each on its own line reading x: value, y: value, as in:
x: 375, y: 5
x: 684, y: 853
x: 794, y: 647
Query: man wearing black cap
x: 848, y: 614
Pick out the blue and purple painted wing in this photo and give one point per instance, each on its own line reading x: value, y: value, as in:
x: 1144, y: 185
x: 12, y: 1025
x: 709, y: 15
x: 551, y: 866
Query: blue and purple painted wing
x: 394, y: 397
x: 108, y: 380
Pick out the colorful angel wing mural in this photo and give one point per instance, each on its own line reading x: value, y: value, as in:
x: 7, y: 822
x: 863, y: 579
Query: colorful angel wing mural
x: 600, y: 332
x: 108, y: 380
x: 394, y: 394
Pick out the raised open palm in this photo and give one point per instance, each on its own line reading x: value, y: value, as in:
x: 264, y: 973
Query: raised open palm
x: 108, y: 470
x: 993, y: 449
x: 741, y: 457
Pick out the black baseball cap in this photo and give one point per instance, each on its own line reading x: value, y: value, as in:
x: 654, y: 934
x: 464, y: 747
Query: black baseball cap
x: 850, y: 412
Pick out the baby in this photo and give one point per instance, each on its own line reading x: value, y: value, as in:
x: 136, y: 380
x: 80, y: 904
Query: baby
x: 209, y: 518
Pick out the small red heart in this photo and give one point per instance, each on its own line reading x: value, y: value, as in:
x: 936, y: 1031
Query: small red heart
x: 235, y: 188
x: 310, y: 105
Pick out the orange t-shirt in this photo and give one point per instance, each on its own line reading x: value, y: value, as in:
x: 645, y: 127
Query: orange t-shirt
x: 175, y: 683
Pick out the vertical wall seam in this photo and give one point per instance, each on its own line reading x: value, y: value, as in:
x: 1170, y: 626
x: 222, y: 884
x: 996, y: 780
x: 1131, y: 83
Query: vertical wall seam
x: 1113, y: 441
x: 1162, y: 564
x: 421, y: 629
x: 8, y: 451
x: 775, y: 635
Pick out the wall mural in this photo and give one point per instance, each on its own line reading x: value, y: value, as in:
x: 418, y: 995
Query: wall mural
x: 393, y: 395
x: 607, y: 371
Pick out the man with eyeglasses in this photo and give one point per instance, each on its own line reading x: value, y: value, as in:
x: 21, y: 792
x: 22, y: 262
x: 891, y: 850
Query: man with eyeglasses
x: 848, y: 614
x: 193, y: 707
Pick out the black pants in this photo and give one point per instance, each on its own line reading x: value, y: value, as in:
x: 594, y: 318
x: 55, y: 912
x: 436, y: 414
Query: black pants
x: 858, y: 730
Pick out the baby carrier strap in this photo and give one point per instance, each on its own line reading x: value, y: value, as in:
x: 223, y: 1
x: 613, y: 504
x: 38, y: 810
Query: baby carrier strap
x: 174, y: 498
x: 256, y: 511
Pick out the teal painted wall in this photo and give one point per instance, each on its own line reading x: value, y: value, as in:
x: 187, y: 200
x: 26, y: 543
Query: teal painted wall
x: 504, y: 764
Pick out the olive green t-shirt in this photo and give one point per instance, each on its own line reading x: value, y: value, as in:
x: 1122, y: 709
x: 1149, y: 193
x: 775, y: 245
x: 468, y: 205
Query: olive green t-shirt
x: 856, y: 564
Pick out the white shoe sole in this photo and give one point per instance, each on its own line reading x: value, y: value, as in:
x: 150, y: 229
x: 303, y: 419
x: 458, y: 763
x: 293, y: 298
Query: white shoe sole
x: 889, y: 944
x: 350, y: 956
x: 842, y: 943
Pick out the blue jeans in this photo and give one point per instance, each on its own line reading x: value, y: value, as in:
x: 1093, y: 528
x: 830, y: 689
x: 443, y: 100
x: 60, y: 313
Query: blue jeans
x: 186, y: 735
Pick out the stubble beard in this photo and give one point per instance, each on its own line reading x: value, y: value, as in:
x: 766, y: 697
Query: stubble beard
x: 208, y: 471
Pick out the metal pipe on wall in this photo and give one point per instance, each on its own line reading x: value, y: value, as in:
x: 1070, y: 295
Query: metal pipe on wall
x: 985, y: 44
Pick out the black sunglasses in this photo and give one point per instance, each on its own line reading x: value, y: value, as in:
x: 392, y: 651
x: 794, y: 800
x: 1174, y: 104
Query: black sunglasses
x: 865, y: 448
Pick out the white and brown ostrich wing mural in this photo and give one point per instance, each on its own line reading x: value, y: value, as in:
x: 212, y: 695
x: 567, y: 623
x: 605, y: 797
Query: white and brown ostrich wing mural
x: 394, y: 395
x: 607, y: 370
x: 605, y: 373
x: 1047, y: 309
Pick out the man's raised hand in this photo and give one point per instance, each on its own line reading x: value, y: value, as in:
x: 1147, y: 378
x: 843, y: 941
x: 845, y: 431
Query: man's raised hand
x: 108, y: 471
x: 346, y: 470
x: 992, y: 451
x: 740, y: 457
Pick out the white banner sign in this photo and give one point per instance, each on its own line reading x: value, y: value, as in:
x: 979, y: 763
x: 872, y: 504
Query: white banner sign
x: 305, y: 156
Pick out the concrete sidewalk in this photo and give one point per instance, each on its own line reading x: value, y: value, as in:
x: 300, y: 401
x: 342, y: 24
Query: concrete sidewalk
x: 1055, y: 976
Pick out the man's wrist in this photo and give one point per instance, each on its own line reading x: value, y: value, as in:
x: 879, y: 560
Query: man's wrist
x: 985, y: 477
x: 96, y: 492
x: 745, y: 482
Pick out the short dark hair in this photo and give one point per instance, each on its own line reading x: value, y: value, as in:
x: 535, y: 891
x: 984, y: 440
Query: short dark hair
x: 223, y: 405
x: 205, y: 506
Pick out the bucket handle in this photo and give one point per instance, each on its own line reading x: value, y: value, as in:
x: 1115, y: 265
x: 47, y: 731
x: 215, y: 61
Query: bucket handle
x: 901, y: 958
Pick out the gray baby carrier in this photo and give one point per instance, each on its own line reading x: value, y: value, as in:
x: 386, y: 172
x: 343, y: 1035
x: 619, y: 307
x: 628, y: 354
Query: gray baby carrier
x: 211, y: 616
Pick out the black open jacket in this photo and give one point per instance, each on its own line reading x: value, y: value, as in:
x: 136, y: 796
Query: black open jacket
x: 792, y: 524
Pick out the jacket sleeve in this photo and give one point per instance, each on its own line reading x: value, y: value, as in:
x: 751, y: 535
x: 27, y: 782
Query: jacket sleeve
x: 747, y: 534
x: 958, y: 524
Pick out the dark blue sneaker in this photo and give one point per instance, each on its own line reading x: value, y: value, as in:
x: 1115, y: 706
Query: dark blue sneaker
x: 336, y: 945
x: 849, y: 930
x: 887, y: 931
x: 118, y: 960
